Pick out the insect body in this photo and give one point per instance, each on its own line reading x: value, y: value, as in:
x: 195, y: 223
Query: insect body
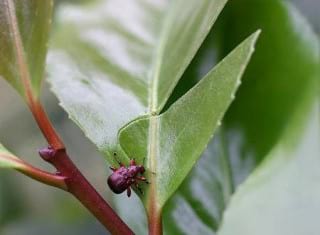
x: 123, y: 178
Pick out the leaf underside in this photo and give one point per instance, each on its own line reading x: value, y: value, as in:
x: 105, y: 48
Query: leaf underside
x: 24, y: 28
x: 8, y: 160
x: 117, y: 64
x: 115, y: 71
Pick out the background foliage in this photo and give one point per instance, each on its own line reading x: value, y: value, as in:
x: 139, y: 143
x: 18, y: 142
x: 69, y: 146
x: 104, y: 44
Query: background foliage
x: 246, y: 137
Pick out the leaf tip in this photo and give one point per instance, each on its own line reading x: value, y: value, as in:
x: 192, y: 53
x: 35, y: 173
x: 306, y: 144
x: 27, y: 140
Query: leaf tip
x: 254, y: 38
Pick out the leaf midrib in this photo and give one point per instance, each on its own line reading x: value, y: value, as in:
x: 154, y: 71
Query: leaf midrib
x: 153, y: 135
x: 158, y: 57
x: 11, y: 158
x: 18, y: 49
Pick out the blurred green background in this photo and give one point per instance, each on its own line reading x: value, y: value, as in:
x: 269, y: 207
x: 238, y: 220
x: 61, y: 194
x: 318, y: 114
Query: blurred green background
x: 30, y: 208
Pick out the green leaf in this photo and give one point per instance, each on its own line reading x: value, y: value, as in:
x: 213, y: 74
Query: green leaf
x: 8, y: 160
x: 284, y: 69
x: 284, y: 187
x: 174, y: 140
x: 131, y: 210
x: 24, y: 28
x: 198, y: 205
x: 112, y: 64
x: 280, y: 76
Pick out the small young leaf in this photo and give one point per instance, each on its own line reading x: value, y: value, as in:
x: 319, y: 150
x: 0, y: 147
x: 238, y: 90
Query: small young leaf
x: 8, y: 160
x: 173, y: 141
x: 113, y: 64
x: 24, y: 28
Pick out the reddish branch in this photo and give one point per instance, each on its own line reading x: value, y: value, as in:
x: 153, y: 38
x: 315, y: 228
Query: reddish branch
x: 154, y: 214
x: 35, y: 173
x: 45, y: 125
x: 75, y: 182
x: 84, y: 192
x: 155, y: 224
x: 54, y: 180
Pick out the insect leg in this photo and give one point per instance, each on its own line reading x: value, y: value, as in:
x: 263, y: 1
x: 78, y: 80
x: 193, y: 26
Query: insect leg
x: 144, y: 179
x: 140, y: 190
x: 133, y: 162
x: 113, y: 168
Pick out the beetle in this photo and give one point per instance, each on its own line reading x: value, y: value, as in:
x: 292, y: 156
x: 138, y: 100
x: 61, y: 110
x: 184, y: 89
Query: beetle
x: 123, y: 178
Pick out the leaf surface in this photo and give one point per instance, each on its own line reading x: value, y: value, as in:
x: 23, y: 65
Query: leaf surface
x: 8, y: 160
x: 24, y: 27
x: 284, y: 187
x: 280, y: 76
x: 11, y: 200
x: 115, y: 61
x: 173, y: 141
x: 198, y: 205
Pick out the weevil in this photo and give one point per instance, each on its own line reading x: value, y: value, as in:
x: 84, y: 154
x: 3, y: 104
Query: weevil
x: 123, y: 178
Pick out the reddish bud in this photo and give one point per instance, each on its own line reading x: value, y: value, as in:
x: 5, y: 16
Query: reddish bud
x: 47, y: 153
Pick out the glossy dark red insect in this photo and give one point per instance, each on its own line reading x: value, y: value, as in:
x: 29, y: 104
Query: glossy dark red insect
x: 123, y: 178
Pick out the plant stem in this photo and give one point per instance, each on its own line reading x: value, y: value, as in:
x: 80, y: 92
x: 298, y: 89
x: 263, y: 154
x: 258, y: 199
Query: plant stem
x: 155, y: 223
x: 154, y: 214
x: 86, y: 194
x: 45, y: 125
x: 76, y: 183
x: 54, y: 180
